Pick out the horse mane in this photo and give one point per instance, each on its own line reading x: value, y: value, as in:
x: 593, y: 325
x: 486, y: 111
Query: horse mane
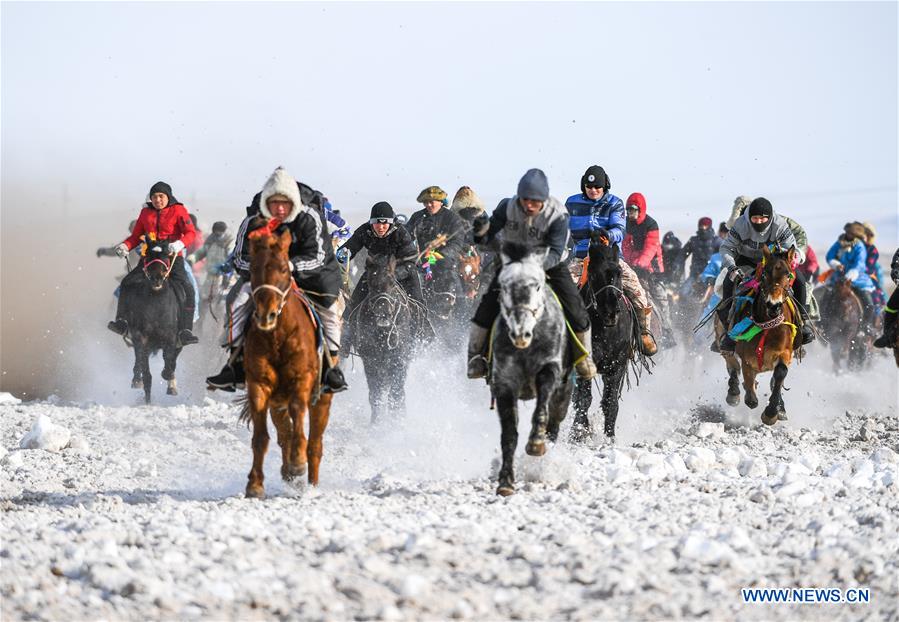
x: 516, y: 251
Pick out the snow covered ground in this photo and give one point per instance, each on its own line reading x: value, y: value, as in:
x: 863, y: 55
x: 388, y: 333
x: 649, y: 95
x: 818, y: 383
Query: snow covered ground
x: 137, y: 512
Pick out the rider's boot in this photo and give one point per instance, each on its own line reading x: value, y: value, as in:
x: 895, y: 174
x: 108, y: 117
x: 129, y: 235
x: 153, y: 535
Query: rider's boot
x: 888, y: 338
x: 647, y: 342
x: 477, y: 362
x: 119, y: 326
x: 186, y: 336
x: 333, y: 380
x: 232, y: 376
x: 586, y: 368
x: 727, y: 344
x: 808, y: 335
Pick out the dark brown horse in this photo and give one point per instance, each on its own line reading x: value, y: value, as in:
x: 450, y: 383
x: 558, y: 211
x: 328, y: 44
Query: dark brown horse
x: 283, y: 367
x: 841, y: 322
x: 772, y: 348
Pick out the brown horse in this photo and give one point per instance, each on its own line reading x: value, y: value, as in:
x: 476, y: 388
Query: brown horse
x: 283, y: 367
x: 772, y: 348
x: 841, y: 321
x: 469, y: 270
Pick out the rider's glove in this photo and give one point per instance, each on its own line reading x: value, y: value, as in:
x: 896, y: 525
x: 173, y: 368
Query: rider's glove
x: 737, y: 274
x: 836, y: 265
x: 176, y: 247
x: 343, y: 255
x: 222, y: 268
x: 852, y: 275
x: 191, y: 258
x: 121, y: 250
x: 602, y: 232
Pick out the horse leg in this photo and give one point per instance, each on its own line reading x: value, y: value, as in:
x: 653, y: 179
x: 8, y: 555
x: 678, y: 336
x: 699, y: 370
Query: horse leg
x: 507, y: 406
x: 258, y: 396
x: 581, y: 430
x: 295, y: 461
x: 545, y: 381
x: 397, y: 396
x: 137, y: 372
x: 733, y: 379
x: 775, y: 408
x: 318, y: 421
x: 611, y: 396
x: 749, y: 374
x: 170, y: 358
x: 143, y: 354
x: 558, y: 408
x: 375, y: 391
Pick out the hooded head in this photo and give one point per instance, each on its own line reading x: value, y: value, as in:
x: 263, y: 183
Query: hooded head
x: 534, y: 185
x: 595, y: 176
x: 758, y: 208
x: 670, y: 241
x: 636, y: 200
x: 280, y: 186
x: 466, y: 199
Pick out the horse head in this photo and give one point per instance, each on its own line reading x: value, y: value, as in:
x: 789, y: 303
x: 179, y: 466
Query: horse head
x: 522, y: 284
x: 604, y: 277
x: 469, y: 271
x: 384, y: 294
x: 775, y: 279
x: 157, y: 263
x: 270, y: 276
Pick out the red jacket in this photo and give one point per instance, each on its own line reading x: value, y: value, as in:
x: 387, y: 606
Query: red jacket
x: 641, y: 246
x: 811, y: 263
x: 168, y: 224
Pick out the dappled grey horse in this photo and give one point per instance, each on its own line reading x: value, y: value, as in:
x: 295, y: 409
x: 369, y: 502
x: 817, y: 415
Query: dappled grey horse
x: 531, y: 357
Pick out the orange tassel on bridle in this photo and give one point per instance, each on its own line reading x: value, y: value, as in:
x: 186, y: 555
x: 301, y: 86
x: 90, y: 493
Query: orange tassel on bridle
x: 266, y: 230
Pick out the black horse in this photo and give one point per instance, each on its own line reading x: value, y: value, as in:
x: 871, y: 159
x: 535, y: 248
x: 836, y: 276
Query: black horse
x: 615, y: 334
x: 442, y: 291
x: 385, y: 337
x: 152, y: 316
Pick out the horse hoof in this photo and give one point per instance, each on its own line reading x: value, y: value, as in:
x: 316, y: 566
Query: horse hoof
x: 171, y: 391
x: 504, y: 490
x: 535, y: 448
x: 137, y: 384
x: 733, y: 399
x: 293, y: 470
x: 255, y: 492
x: 781, y: 416
x: 752, y: 402
x: 769, y: 420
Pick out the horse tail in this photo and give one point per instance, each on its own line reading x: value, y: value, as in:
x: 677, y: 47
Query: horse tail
x: 244, y: 402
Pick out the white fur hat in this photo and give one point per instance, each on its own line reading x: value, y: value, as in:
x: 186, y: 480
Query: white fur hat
x: 281, y: 183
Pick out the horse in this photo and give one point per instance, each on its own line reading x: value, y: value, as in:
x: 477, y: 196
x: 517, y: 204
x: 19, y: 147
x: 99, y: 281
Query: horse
x: 531, y: 357
x: 283, y: 367
x: 774, y: 319
x: 152, y: 317
x: 469, y: 272
x: 615, y: 336
x: 441, y: 289
x: 385, y: 337
x: 841, y: 323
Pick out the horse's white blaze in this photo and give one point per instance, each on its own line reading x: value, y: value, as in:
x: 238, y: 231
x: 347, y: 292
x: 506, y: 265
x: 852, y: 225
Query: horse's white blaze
x: 774, y: 301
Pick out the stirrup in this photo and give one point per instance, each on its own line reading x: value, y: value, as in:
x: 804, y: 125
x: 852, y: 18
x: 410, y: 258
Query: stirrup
x: 477, y: 367
x: 186, y: 337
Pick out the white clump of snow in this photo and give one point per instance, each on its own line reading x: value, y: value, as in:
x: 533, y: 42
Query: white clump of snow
x: 8, y: 399
x: 45, y: 434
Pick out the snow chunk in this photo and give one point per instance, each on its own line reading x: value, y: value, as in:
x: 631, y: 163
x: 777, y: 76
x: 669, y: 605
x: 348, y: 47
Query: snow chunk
x: 8, y: 399
x: 753, y: 467
x: 709, y: 429
x: 700, y: 459
x: 696, y: 547
x: 46, y: 435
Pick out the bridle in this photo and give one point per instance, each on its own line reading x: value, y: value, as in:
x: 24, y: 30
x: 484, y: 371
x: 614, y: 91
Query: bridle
x: 168, y: 266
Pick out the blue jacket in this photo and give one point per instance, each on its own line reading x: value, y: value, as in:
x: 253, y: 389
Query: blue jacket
x: 852, y: 258
x: 712, y: 268
x: 586, y: 216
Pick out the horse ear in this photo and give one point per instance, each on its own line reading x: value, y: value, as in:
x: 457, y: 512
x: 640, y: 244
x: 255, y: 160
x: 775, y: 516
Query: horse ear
x: 766, y: 253
x: 791, y: 255
x: 505, y: 259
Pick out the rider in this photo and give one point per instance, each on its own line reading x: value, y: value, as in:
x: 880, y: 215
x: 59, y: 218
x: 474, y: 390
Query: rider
x: 439, y: 233
x: 162, y: 219
x: 846, y: 258
x: 530, y: 217
x: 468, y: 206
x: 757, y: 227
x: 891, y: 310
x: 596, y: 209
x: 701, y: 246
x: 214, y: 251
x: 872, y: 265
x: 299, y: 209
x: 643, y: 251
x: 672, y: 257
x: 380, y: 236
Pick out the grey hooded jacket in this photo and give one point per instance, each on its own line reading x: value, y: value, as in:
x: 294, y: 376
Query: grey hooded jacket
x: 744, y: 241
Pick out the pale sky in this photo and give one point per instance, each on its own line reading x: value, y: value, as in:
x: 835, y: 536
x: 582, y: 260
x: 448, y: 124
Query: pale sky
x: 691, y: 104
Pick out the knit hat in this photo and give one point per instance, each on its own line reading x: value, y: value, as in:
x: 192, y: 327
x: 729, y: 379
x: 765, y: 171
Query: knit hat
x: 705, y: 222
x: 760, y: 207
x: 431, y: 193
x: 595, y: 176
x: 534, y: 185
x: 164, y: 188
x: 381, y: 211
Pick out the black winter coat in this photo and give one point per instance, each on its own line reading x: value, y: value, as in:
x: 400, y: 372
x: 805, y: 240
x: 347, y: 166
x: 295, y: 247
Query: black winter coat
x: 425, y: 228
x: 702, y: 246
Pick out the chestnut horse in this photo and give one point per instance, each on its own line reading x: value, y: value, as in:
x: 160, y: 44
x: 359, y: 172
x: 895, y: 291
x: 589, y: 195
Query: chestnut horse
x: 771, y: 349
x: 469, y: 270
x: 283, y: 366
